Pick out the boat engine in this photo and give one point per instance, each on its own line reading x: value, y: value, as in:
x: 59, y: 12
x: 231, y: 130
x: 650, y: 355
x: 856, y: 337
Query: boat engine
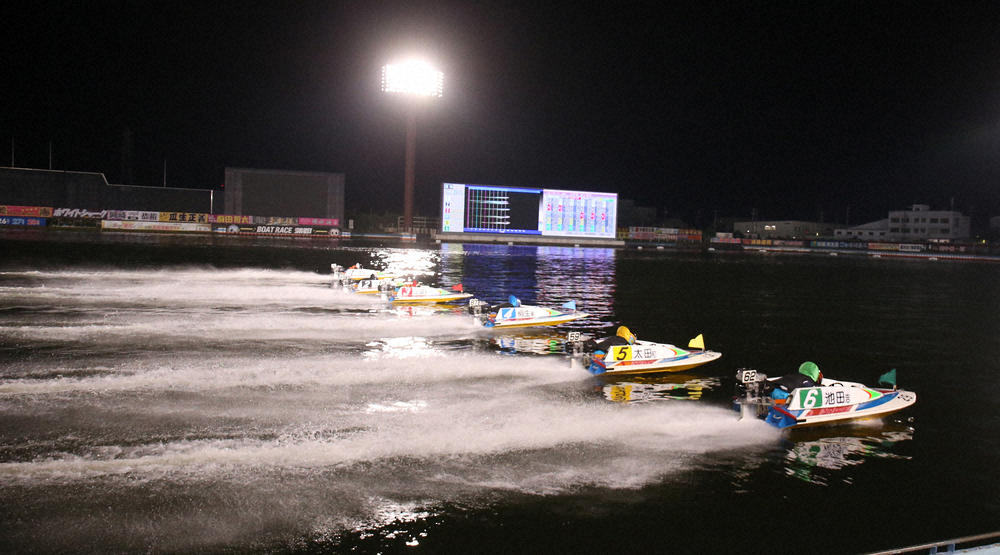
x: 480, y: 310
x: 751, y: 399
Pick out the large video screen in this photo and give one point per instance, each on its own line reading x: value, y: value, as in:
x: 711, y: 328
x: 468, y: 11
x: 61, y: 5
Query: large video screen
x: 519, y: 210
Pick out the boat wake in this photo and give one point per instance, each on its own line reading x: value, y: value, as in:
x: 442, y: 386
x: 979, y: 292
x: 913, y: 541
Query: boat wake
x: 264, y: 420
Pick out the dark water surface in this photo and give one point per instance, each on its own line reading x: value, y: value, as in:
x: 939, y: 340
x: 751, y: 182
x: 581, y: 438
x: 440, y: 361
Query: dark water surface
x: 172, y: 394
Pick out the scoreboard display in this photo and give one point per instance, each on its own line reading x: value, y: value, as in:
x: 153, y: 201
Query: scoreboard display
x: 519, y: 210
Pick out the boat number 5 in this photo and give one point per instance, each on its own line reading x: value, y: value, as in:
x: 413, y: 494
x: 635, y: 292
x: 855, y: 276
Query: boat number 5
x: 811, y: 398
x: 622, y: 353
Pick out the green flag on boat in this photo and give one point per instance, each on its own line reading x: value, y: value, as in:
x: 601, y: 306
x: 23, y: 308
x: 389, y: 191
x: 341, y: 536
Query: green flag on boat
x: 889, y: 378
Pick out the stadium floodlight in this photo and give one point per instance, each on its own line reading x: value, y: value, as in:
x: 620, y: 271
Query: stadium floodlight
x: 414, y: 78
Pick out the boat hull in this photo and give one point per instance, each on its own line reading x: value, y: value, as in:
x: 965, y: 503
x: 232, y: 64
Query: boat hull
x: 645, y: 357
x: 553, y: 320
x: 357, y: 274
x: 672, y: 364
x: 819, y: 406
x: 422, y: 294
x: 430, y: 299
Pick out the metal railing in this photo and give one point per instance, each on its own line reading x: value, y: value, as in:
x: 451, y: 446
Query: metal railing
x: 948, y: 545
x: 421, y: 224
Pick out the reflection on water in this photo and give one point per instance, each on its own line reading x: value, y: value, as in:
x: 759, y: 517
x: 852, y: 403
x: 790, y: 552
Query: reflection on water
x: 543, y: 276
x: 431, y: 310
x: 538, y: 341
x: 418, y: 264
x: 400, y: 347
x: 586, y: 276
x: 815, y: 454
x: 660, y: 387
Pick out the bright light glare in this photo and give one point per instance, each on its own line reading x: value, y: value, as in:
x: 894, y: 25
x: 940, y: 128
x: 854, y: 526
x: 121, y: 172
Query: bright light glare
x: 412, y: 78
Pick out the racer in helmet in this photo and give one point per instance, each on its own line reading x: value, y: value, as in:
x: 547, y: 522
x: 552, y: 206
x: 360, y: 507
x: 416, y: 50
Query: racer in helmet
x: 809, y: 375
x: 511, y: 301
x: 624, y: 336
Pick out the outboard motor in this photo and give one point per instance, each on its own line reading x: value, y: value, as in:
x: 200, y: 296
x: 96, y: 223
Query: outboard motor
x: 476, y: 307
x: 479, y: 310
x: 575, y: 349
x: 574, y: 344
x: 338, y: 274
x: 751, y: 398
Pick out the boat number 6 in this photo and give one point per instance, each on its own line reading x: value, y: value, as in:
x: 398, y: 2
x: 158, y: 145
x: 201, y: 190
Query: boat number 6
x: 811, y: 398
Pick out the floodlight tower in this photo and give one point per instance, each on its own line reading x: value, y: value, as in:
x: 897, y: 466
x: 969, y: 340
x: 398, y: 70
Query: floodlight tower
x: 414, y: 79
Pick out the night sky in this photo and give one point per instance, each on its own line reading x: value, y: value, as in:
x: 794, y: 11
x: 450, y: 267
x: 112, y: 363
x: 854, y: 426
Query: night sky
x: 800, y: 110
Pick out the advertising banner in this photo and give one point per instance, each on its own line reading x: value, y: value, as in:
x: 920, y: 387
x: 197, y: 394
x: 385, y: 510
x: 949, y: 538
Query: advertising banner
x: 183, y: 217
x: 133, y: 225
x: 321, y: 222
x: 25, y: 211
x: 20, y: 220
x: 274, y: 220
x: 132, y: 215
x: 79, y: 213
x: 227, y: 219
x: 289, y: 230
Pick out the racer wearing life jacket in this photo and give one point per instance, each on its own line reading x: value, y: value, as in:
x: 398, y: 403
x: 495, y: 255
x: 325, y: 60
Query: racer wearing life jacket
x: 809, y: 375
x: 511, y: 301
x: 623, y: 337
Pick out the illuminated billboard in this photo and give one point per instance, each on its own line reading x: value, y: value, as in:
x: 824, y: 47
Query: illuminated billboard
x: 524, y: 211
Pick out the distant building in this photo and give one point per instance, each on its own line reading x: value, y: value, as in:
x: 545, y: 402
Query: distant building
x: 284, y: 193
x: 630, y: 215
x: 919, y: 223
x: 91, y: 191
x: 782, y: 229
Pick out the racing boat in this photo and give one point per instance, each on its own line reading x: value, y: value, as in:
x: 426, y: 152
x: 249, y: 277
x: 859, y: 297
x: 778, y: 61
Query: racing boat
x: 513, y: 314
x: 830, y: 402
x: 645, y: 356
x: 424, y: 294
x: 370, y: 286
x: 357, y: 272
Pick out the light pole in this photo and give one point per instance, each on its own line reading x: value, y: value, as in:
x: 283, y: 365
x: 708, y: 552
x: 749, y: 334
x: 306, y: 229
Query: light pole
x: 414, y: 79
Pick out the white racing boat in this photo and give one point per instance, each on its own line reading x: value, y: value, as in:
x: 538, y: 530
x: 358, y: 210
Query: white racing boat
x: 357, y: 272
x: 513, y: 314
x: 374, y: 286
x: 829, y: 402
x: 645, y: 356
x: 409, y: 294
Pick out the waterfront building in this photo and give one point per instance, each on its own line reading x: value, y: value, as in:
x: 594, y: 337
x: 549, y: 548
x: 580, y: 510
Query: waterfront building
x: 918, y: 224
x: 782, y: 229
